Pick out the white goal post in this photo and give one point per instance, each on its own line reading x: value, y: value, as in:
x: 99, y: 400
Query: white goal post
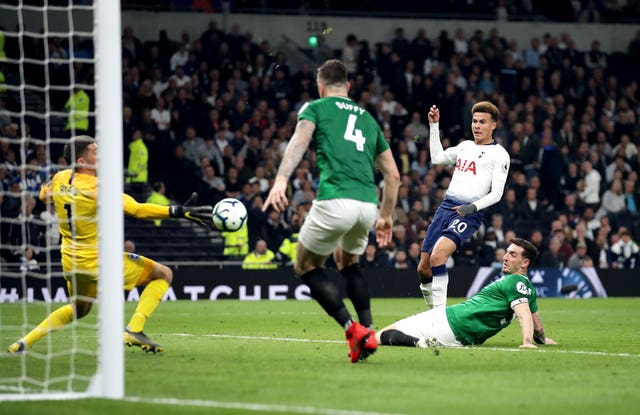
x: 105, y: 31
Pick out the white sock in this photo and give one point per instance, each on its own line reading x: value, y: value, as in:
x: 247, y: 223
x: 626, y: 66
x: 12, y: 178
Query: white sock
x: 427, y: 293
x: 439, y: 290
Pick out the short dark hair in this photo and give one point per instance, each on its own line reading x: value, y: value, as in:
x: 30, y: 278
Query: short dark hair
x: 529, y: 252
x: 488, y: 107
x: 157, y: 185
x: 333, y: 72
x: 77, y: 147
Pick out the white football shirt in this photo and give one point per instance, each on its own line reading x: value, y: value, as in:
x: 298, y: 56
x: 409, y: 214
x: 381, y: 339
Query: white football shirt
x: 480, y: 173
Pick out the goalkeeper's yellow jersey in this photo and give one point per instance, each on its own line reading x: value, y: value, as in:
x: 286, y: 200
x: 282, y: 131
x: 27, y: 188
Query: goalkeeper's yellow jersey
x: 75, y: 198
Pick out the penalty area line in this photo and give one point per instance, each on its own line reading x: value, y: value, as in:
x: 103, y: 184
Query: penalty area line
x: 258, y: 407
x: 550, y: 349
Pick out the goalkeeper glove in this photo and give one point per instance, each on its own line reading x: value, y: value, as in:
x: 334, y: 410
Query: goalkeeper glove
x: 198, y: 214
x: 465, y: 210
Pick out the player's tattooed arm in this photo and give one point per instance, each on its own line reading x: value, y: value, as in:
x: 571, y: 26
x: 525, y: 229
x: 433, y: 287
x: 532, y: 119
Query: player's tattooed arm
x: 538, y: 329
x: 296, y: 148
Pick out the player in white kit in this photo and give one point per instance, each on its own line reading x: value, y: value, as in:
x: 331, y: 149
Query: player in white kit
x: 481, y: 170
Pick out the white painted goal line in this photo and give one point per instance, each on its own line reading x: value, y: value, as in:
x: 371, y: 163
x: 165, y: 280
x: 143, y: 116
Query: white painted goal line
x: 549, y: 349
x: 258, y: 407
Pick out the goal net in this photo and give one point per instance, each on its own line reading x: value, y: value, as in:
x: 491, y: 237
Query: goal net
x: 59, y: 78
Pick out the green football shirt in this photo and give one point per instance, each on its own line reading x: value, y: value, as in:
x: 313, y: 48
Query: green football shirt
x: 347, y: 139
x: 489, y: 311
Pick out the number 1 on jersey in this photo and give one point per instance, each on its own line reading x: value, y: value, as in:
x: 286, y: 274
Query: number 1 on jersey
x: 353, y: 134
x: 67, y: 207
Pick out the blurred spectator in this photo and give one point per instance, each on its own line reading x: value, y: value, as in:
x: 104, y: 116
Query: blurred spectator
x: 589, y: 14
x: 399, y: 260
x: 129, y: 246
x: 404, y: 200
x: 49, y: 220
x: 373, y: 258
x: 625, y: 252
x: 497, y: 223
x: 531, y: 209
x: 259, y: 177
x: 551, y: 258
x: 485, y: 252
x: 183, y: 178
x: 207, y: 149
x: 413, y: 255
x: 613, y: 202
x: 350, y: 53
x: 498, y: 257
x: 571, y: 210
x: 212, y: 187
x: 158, y: 197
x: 595, y: 58
x: 590, y: 188
x: 260, y: 258
x: 631, y: 197
x: 236, y: 244
x: 27, y: 260
x: 27, y: 230
x: 580, y: 258
x: 232, y: 183
x: 560, y: 232
x: 179, y: 57
x: 287, y: 252
x: 138, y: 167
x: 617, y: 165
x: 78, y: 108
x: 400, y: 237
x: 273, y: 230
x: 413, y: 226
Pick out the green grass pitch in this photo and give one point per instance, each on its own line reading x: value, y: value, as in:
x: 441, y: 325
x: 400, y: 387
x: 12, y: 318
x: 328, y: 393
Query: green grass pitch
x: 232, y: 357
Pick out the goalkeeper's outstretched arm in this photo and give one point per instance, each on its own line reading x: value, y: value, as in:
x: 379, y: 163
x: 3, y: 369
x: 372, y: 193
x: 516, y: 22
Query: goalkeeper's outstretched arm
x: 199, y: 214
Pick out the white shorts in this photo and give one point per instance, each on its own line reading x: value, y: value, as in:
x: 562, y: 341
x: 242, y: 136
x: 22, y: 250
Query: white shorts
x: 338, y: 222
x: 431, y: 325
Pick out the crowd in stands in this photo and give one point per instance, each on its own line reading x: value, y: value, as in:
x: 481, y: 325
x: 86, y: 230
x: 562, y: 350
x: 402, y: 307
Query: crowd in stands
x: 216, y: 112
x: 559, y: 10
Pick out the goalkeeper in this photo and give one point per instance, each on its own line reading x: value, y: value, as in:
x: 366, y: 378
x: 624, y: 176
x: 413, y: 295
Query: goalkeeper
x: 481, y: 316
x: 74, y: 194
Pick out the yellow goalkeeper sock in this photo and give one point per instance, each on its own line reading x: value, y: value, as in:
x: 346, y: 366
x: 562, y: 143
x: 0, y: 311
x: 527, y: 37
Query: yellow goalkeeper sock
x: 149, y: 300
x: 56, y: 320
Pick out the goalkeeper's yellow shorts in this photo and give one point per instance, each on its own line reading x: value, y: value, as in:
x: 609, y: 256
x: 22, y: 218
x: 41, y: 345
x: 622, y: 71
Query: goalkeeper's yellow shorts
x: 81, y: 272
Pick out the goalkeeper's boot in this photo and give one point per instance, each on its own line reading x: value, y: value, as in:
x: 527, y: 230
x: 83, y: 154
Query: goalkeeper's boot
x: 142, y: 341
x: 357, y: 336
x: 17, y: 348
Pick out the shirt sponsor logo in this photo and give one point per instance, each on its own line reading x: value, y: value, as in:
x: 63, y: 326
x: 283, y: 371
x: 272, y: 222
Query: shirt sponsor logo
x: 522, y: 288
x: 466, y: 166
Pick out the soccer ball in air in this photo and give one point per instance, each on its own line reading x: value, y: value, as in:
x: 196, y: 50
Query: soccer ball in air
x: 229, y: 215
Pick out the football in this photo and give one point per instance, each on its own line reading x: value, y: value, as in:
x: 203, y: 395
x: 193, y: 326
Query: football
x: 229, y: 215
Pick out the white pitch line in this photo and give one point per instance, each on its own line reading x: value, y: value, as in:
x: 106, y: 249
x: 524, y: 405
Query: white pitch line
x: 260, y: 407
x: 497, y: 349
